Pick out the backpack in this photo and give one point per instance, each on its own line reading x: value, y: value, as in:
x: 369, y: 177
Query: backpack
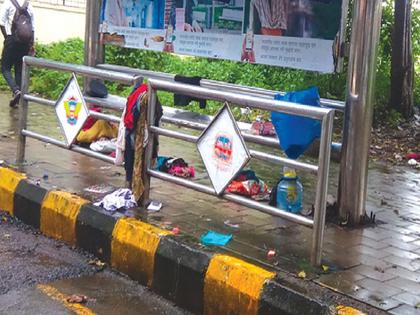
x: 22, y: 30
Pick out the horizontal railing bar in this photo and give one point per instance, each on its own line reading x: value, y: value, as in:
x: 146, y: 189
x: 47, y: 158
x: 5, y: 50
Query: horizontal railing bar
x: 234, y: 198
x: 43, y: 101
x: 268, y: 141
x: 271, y: 142
x: 83, y: 70
x: 74, y: 148
x: 339, y: 105
x: 241, y: 99
x: 284, y: 161
x: 255, y: 154
x: 174, y: 134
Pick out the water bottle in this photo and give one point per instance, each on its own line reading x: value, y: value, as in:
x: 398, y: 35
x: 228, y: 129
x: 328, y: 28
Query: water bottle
x: 290, y: 192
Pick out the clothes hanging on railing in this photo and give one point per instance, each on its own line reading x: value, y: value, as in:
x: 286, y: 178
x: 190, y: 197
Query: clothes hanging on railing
x: 135, y: 121
x: 184, y: 100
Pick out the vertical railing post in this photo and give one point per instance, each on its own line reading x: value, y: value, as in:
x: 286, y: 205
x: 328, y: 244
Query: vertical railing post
x: 148, y: 155
x: 359, y: 109
x: 93, y: 50
x: 322, y: 188
x: 23, y: 116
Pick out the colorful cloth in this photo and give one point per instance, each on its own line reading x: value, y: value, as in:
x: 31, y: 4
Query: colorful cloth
x: 131, y: 102
x: 100, y: 129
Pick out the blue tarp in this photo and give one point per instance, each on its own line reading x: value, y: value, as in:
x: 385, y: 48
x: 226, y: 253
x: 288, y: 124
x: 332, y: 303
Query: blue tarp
x: 296, y: 133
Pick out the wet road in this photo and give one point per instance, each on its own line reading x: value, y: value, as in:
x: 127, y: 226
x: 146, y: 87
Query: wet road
x: 38, y: 274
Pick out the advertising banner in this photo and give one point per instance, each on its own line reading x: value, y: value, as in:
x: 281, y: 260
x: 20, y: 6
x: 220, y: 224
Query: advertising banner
x: 300, y: 34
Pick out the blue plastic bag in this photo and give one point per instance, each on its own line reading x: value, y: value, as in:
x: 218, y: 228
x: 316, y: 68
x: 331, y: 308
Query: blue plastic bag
x: 214, y: 238
x: 296, y: 133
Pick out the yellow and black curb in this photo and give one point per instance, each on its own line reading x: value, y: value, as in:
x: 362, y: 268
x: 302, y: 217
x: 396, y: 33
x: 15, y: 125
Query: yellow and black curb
x: 196, y: 280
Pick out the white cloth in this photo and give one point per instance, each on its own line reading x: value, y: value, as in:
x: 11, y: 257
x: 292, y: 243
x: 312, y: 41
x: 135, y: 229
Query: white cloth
x: 122, y: 198
x: 104, y: 146
x: 119, y: 153
x: 7, y: 12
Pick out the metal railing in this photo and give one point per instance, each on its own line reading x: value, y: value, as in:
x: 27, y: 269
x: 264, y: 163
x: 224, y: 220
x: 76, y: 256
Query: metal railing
x: 325, y: 115
x: 26, y: 97
x: 321, y: 169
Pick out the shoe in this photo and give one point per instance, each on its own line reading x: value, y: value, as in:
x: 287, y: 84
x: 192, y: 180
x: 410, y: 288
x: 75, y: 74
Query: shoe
x: 15, y: 100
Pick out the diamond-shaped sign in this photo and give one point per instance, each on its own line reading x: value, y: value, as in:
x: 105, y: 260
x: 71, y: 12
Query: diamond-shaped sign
x: 223, y: 149
x: 71, y: 110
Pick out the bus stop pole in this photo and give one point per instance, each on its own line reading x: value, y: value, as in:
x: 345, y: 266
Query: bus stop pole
x: 93, y: 48
x: 359, y: 109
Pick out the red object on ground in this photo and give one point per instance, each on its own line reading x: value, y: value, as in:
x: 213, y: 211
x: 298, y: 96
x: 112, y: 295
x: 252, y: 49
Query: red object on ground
x: 415, y: 156
x: 271, y: 253
x: 175, y: 231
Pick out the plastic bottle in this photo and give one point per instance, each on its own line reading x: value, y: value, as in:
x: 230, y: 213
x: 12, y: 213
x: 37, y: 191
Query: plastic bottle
x: 290, y: 191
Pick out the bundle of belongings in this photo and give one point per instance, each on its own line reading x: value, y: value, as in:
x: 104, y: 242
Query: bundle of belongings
x: 99, y: 135
x: 175, y: 166
x: 132, y: 138
x: 246, y: 183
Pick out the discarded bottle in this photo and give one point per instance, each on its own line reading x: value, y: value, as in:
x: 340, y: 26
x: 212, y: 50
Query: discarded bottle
x: 290, y: 192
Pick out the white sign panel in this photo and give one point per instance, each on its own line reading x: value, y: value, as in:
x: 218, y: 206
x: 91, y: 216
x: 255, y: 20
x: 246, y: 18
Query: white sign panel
x: 223, y: 149
x: 71, y: 110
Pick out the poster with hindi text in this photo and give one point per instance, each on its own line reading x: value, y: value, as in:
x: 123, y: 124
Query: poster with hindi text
x: 299, y: 34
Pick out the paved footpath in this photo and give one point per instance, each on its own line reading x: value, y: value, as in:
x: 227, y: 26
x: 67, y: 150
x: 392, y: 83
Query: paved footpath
x: 378, y: 265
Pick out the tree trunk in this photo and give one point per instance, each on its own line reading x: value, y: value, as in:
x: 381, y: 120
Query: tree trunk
x: 402, y: 67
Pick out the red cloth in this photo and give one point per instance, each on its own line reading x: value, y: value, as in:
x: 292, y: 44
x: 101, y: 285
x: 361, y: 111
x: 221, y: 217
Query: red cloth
x: 131, y: 102
x: 90, y: 121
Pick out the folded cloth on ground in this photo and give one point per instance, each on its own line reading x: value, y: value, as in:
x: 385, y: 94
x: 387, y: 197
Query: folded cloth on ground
x: 100, y: 129
x: 122, y: 198
x: 105, y: 146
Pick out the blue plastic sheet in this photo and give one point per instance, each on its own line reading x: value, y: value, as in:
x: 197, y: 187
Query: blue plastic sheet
x: 216, y: 239
x: 296, y: 133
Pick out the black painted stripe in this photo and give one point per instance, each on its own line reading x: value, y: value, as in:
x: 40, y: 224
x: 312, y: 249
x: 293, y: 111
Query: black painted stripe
x: 27, y: 203
x: 179, y: 274
x: 277, y: 299
x: 94, y: 231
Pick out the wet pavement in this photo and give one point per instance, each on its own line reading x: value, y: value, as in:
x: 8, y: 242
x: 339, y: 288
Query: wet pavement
x: 379, y: 265
x: 38, y: 275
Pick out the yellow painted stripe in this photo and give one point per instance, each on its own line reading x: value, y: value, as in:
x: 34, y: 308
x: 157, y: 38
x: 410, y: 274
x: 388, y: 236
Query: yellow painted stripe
x: 9, y: 180
x: 233, y: 286
x: 347, y: 310
x: 58, y: 215
x: 56, y: 295
x: 133, y: 248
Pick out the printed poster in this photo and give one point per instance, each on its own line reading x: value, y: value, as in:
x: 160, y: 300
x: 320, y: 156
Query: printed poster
x: 71, y: 110
x: 300, y: 34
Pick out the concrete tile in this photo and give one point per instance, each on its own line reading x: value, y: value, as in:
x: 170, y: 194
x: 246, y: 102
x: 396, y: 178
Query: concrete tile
x: 376, y: 234
x: 383, y: 291
x: 405, y: 284
x: 404, y: 273
x: 412, y: 265
x: 373, y: 244
x: 374, y: 262
x: 363, y: 249
x: 343, y: 282
x: 401, y: 245
x: 405, y: 310
x: 376, y: 299
x: 370, y: 272
x: 400, y: 253
x: 408, y: 298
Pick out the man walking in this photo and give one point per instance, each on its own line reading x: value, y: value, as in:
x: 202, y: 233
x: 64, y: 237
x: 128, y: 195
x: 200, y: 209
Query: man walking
x: 17, y: 27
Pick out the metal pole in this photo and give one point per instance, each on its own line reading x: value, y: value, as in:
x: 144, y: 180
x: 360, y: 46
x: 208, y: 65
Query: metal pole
x: 359, y: 108
x: 23, y: 116
x: 92, y: 34
x: 148, y: 155
x: 322, y: 188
